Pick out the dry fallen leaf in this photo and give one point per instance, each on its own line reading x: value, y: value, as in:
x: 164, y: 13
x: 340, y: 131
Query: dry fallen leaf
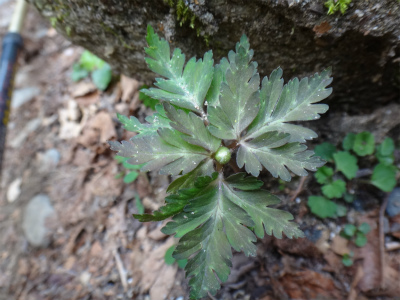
x: 322, y: 28
x: 103, y: 122
x: 340, y: 245
x: 309, y: 284
x: 153, y: 263
x: 302, y: 247
x: 164, y: 282
x: 87, y: 100
x: 82, y: 88
x: 128, y: 86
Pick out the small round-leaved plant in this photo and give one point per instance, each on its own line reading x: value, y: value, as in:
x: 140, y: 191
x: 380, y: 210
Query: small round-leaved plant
x: 213, y: 117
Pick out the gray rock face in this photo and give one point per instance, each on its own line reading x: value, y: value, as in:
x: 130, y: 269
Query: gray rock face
x: 362, y: 46
x: 38, y: 210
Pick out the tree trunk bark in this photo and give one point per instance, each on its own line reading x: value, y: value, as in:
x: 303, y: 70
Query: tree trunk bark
x: 362, y: 45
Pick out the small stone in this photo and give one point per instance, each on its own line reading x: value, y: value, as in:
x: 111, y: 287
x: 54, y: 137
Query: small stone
x: 30, y: 127
x: 85, y: 278
x: 24, y: 95
x: 36, y: 212
x: 14, y: 190
x: 393, y: 206
x: 49, y: 159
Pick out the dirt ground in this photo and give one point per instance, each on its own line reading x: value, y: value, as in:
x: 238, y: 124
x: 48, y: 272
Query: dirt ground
x: 92, y: 248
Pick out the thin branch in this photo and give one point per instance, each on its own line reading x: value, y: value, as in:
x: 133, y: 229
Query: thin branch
x: 382, y: 240
x: 121, y: 269
x: 234, y: 166
x: 299, y: 188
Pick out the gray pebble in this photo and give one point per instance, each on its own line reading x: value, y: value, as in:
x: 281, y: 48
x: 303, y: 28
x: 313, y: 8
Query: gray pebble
x: 36, y: 212
x: 393, y: 206
x: 21, y: 96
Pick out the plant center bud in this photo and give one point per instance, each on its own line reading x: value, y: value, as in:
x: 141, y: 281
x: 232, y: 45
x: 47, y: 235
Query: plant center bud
x: 223, y: 155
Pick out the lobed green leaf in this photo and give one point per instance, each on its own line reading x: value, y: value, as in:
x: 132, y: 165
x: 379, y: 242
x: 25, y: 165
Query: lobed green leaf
x: 271, y: 150
x: 218, y: 216
x: 193, y: 126
x: 384, y: 177
x: 325, y: 151
x: 322, y: 207
x: 334, y: 189
x: 185, y: 87
x: 154, y: 122
x: 239, y: 95
x: 166, y: 151
x: 323, y: 174
x: 364, y: 143
x: 293, y: 102
x: 346, y: 163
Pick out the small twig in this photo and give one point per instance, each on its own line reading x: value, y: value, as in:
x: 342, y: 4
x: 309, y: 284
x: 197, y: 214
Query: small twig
x: 211, y: 296
x: 299, y: 188
x: 234, y: 166
x: 121, y: 270
x: 382, y: 240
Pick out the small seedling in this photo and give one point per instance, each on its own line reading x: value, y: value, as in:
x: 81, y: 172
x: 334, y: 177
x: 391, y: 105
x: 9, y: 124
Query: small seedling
x: 342, y: 167
x: 357, y: 234
x: 337, y: 5
x: 213, y: 121
x: 90, y: 64
x: 170, y: 260
x: 347, y: 259
x: 146, y: 100
x: 131, y: 172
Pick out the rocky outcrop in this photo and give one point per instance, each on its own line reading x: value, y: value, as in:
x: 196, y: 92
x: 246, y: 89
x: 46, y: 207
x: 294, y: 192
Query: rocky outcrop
x: 362, y: 46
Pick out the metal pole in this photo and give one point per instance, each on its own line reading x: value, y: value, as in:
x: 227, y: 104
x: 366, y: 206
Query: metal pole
x: 12, y: 43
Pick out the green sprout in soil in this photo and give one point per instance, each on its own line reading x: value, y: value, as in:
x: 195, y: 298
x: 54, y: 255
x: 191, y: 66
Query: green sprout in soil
x: 342, y: 168
x: 213, y: 121
x: 98, y: 69
x: 337, y: 5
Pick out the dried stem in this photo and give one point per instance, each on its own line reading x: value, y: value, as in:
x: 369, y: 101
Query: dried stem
x: 382, y: 240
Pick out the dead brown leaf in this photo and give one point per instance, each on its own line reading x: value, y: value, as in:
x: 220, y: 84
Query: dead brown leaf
x: 370, y: 255
x: 156, y: 234
x: 128, y: 86
x: 333, y: 260
x: 353, y: 291
x: 153, y: 263
x: 309, y: 285
x: 82, y: 88
x: 103, y: 122
x: 99, y: 129
x: 322, y: 28
x: 89, y: 99
x: 96, y: 250
x: 164, y: 282
x: 340, y: 245
x: 303, y: 247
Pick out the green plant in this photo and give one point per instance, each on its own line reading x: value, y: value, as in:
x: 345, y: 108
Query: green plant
x: 357, y: 234
x: 89, y: 63
x: 213, y: 121
x: 170, y: 260
x: 343, y: 166
x: 337, y: 5
x: 146, y: 100
x: 131, y: 172
x: 347, y: 259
